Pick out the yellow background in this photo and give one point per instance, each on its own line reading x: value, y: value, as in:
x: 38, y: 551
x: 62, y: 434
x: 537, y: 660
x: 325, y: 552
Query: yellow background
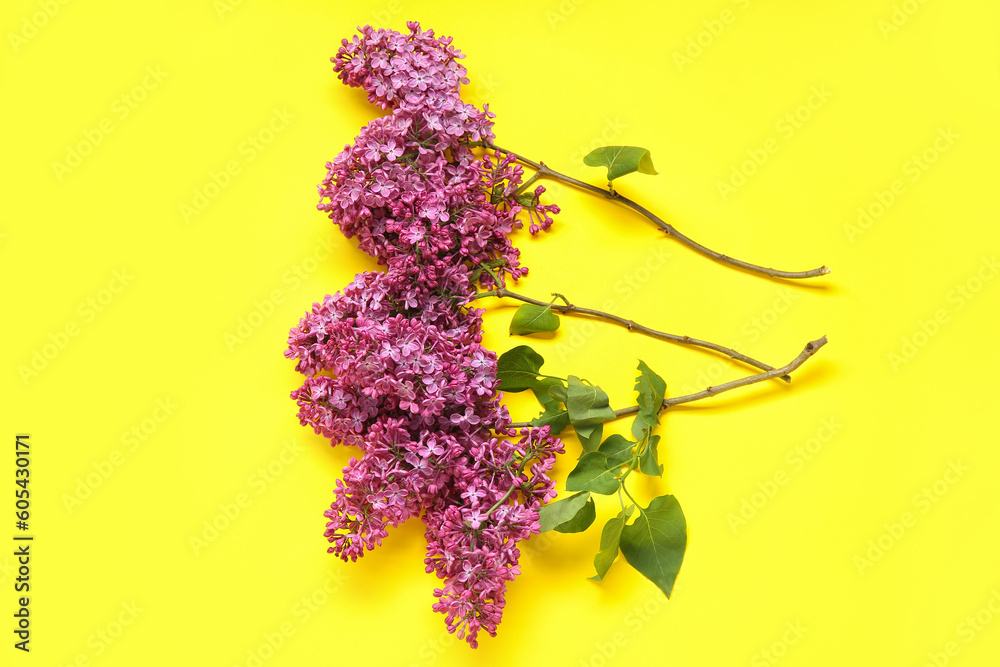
x: 825, y: 553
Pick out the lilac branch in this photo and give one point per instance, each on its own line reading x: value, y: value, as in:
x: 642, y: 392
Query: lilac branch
x: 809, y: 350
x: 669, y: 229
x: 570, y: 309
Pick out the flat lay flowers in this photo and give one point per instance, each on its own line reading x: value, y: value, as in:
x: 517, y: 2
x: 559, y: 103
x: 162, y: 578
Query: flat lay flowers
x: 567, y: 333
x: 395, y: 365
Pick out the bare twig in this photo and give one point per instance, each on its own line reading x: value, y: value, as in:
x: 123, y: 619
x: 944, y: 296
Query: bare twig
x: 569, y: 308
x: 809, y: 350
x: 670, y: 230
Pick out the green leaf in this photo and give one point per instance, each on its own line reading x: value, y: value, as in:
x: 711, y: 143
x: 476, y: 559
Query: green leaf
x: 654, y: 543
x: 610, y: 537
x: 649, y: 460
x: 530, y: 319
x: 587, y: 404
x: 558, y: 392
x: 640, y: 427
x: 554, y: 416
x: 561, y: 511
x: 618, y: 449
x: 541, y: 391
x: 517, y: 369
x: 590, y: 435
x: 526, y: 199
x: 620, y: 160
x: 592, y: 473
x: 581, y: 521
x: 651, y: 389
x: 588, y: 409
x: 556, y: 419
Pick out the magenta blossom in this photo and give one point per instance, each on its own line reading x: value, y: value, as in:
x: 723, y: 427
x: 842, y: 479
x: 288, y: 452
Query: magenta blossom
x: 394, y: 362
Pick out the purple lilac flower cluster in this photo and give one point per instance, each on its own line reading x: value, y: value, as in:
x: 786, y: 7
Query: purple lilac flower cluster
x: 394, y: 363
x: 410, y: 187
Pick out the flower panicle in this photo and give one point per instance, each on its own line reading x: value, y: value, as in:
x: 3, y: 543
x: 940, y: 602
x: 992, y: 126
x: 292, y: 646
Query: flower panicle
x: 394, y: 362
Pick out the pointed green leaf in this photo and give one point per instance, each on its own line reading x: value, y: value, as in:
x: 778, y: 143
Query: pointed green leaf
x: 620, y: 160
x: 517, y: 369
x: 654, y: 543
x: 581, y: 521
x: 610, y: 537
x: 640, y: 427
x: 587, y: 404
x: 618, y: 449
x: 554, y: 416
x: 592, y: 473
x: 649, y: 460
x: 530, y: 319
x: 651, y: 390
x: 541, y: 391
x: 557, y: 419
x: 558, y: 392
x: 590, y: 435
x: 561, y: 511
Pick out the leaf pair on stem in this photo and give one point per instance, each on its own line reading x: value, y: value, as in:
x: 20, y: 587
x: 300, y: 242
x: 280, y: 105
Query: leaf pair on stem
x: 654, y: 543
